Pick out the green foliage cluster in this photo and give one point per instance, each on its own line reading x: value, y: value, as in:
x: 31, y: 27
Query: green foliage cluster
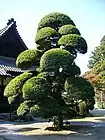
x: 79, y: 88
x: 36, y: 111
x: 82, y: 108
x: 23, y: 109
x: 73, y: 41
x: 85, y: 106
x: 28, y: 58
x: 68, y: 29
x: 98, y: 54
x: 53, y: 59
x: 101, y: 105
x: 36, y: 89
x: 12, y: 99
x: 55, y: 20
x: 73, y: 70
x: 99, y: 68
x: 45, y: 34
x: 15, y: 85
x: 14, y: 89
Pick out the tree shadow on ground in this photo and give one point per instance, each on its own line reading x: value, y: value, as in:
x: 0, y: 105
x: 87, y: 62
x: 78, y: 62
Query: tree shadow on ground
x: 75, y: 133
x: 101, y: 120
x: 25, y: 129
x: 74, y: 129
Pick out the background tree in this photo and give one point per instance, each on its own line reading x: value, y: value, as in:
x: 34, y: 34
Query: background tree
x: 57, y: 43
x: 98, y: 54
x: 97, y: 65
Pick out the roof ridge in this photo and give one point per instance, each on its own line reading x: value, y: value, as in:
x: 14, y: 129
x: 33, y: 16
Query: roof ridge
x: 6, y: 28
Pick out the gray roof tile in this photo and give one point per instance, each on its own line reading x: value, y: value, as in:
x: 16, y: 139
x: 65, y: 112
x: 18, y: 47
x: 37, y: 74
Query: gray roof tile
x: 8, y: 65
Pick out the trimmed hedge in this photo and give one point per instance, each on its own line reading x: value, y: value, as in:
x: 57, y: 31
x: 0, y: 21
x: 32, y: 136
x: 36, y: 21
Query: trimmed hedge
x: 54, y: 59
x: 79, y: 88
x: 28, y: 58
x: 55, y: 20
x: 36, y: 89
x: 68, y: 29
x: 73, y: 41
x: 43, y: 35
x: 14, y: 87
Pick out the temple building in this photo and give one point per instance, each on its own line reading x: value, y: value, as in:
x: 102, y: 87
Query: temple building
x: 11, y: 45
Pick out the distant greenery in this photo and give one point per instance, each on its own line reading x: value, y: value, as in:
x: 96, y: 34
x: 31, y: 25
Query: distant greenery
x: 98, y: 54
x: 97, y: 70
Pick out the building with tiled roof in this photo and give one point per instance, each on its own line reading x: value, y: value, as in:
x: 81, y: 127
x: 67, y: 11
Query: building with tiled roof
x: 11, y: 45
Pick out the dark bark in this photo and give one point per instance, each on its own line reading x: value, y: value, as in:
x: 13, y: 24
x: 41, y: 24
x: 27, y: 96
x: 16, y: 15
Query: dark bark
x: 58, y: 122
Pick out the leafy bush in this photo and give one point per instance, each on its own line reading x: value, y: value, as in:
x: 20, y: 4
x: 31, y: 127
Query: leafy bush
x: 28, y: 58
x: 14, y: 87
x: 73, y: 41
x: 68, y: 29
x: 55, y: 20
x: 54, y: 59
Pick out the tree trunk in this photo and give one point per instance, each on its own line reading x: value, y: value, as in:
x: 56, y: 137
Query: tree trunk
x: 58, y: 122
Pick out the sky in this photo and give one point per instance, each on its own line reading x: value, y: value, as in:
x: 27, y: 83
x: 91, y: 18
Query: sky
x: 88, y: 15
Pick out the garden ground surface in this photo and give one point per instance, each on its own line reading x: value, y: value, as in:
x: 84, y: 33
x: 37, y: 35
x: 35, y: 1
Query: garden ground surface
x: 92, y: 128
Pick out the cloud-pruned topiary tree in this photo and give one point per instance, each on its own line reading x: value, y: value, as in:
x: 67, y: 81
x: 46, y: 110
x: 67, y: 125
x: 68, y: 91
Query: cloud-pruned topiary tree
x: 59, y: 41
